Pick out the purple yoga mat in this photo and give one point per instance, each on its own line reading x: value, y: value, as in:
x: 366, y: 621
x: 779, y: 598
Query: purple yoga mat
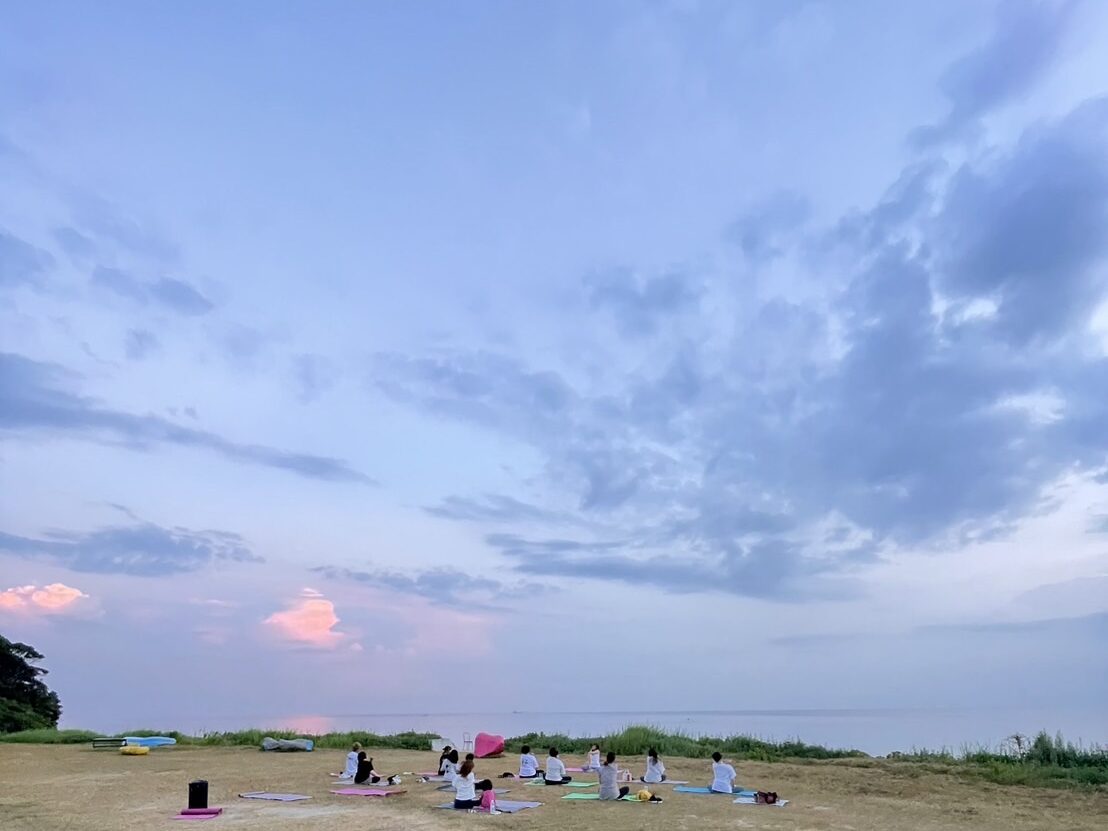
x: 365, y: 792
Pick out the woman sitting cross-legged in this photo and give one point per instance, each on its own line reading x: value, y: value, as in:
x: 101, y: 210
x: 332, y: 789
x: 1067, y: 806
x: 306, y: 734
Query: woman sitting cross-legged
x: 466, y: 787
x: 555, y: 770
x: 366, y: 773
x: 655, y: 770
x: 609, y: 777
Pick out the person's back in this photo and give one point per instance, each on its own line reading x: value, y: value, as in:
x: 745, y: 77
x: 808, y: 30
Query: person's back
x: 528, y: 764
x: 609, y: 779
x: 365, y: 769
x: 723, y: 775
x: 655, y: 770
x: 351, y: 769
x: 555, y: 770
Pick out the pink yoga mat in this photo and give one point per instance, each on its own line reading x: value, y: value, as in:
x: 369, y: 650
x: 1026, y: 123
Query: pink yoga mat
x: 365, y: 792
x: 199, y: 813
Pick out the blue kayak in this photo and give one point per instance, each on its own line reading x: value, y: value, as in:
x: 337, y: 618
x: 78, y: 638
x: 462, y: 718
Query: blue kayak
x: 149, y: 741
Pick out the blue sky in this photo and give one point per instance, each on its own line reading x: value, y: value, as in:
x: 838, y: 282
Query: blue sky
x: 464, y: 352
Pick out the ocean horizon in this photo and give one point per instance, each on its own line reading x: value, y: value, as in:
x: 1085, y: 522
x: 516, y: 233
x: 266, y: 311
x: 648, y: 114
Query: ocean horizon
x: 876, y: 731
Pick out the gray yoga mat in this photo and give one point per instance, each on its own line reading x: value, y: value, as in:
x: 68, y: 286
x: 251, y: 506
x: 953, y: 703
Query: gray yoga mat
x: 276, y: 797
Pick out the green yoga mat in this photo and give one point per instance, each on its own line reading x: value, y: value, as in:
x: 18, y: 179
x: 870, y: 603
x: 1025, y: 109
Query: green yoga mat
x: 540, y: 783
x: 627, y: 798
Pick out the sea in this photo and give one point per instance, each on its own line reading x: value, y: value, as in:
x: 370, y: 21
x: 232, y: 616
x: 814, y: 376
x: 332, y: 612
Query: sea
x: 873, y: 731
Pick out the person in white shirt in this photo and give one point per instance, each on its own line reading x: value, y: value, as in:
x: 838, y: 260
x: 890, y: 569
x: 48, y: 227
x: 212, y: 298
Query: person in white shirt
x: 443, y: 757
x: 555, y: 770
x: 351, y: 763
x: 528, y: 764
x: 449, y: 766
x: 593, y: 762
x: 723, y: 775
x: 655, y: 770
x: 466, y: 787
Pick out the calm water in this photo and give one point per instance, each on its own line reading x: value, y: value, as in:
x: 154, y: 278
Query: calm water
x: 874, y: 731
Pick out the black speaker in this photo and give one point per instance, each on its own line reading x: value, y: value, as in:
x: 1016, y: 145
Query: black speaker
x: 198, y: 794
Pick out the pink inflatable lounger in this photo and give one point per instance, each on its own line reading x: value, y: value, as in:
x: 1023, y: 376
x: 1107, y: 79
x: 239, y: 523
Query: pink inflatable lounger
x: 486, y: 744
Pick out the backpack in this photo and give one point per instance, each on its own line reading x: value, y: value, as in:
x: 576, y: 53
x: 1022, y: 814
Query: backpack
x: 765, y: 797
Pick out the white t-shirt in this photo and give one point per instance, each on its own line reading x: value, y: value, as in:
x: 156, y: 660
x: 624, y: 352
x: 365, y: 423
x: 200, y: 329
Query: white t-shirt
x: 351, y: 765
x: 449, y: 770
x: 528, y: 764
x: 555, y: 770
x: 654, y: 770
x: 722, y: 777
x: 465, y: 786
x: 594, y: 759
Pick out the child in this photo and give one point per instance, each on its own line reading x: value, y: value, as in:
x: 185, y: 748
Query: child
x: 466, y: 787
x: 528, y: 764
x: 723, y: 775
x: 609, y: 789
x: 351, y: 762
x: 555, y: 770
x: 655, y: 770
x: 594, y: 758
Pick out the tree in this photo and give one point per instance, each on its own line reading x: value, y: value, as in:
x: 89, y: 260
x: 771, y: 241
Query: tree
x: 26, y: 703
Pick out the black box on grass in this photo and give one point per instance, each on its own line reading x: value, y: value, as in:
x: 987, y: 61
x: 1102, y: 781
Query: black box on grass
x: 198, y: 794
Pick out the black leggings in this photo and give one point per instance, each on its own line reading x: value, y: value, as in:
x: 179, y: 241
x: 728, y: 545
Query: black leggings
x: 463, y: 804
x: 561, y: 781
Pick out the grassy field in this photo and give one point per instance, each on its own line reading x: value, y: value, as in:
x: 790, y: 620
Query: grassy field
x: 72, y: 787
x: 1045, y: 762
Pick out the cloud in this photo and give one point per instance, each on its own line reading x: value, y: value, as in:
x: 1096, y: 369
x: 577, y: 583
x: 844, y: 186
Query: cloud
x: 22, y: 264
x: 1027, y: 37
x: 639, y: 304
x: 140, y: 344
x: 78, y: 246
x: 492, y: 507
x: 56, y: 598
x: 175, y: 295
x: 144, y: 550
x: 309, y: 621
x: 447, y: 586
x: 35, y: 398
x: 764, y: 230
x: 314, y: 375
x: 884, y: 403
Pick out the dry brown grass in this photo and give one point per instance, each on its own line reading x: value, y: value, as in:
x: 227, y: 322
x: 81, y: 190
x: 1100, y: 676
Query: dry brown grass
x: 44, y: 788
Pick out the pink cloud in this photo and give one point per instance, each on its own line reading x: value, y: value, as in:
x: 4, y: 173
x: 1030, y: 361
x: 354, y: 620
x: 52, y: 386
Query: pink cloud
x: 57, y: 598
x: 310, y: 620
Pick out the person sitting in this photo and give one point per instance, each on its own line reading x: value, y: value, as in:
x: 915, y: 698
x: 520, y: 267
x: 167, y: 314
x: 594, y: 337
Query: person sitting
x: 443, y: 758
x: 723, y: 775
x: 593, y: 762
x: 351, y: 769
x: 609, y: 779
x: 366, y: 773
x: 449, y: 767
x: 466, y: 787
x: 555, y: 770
x: 655, y: 770
x: 528, y: 764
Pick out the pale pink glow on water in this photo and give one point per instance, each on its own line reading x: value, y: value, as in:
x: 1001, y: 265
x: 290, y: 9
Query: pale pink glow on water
x: 311, y: 725
x: 56, y: 598
x: 309, y: 620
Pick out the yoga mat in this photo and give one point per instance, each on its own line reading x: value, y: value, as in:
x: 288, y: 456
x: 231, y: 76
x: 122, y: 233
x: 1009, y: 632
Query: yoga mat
x: 596, y: 796
x: 192, y: 811
x: 666, y: 782
x: 365, y: 792
x: 505, y: 806
x: 749, y: 800
x: 277, y: 797
x: 563, y: 785
x: 196, y: 816
x: 684, y: 789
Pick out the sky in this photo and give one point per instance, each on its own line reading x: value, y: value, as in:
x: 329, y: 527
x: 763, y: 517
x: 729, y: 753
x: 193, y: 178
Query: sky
x: 438, y: 357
